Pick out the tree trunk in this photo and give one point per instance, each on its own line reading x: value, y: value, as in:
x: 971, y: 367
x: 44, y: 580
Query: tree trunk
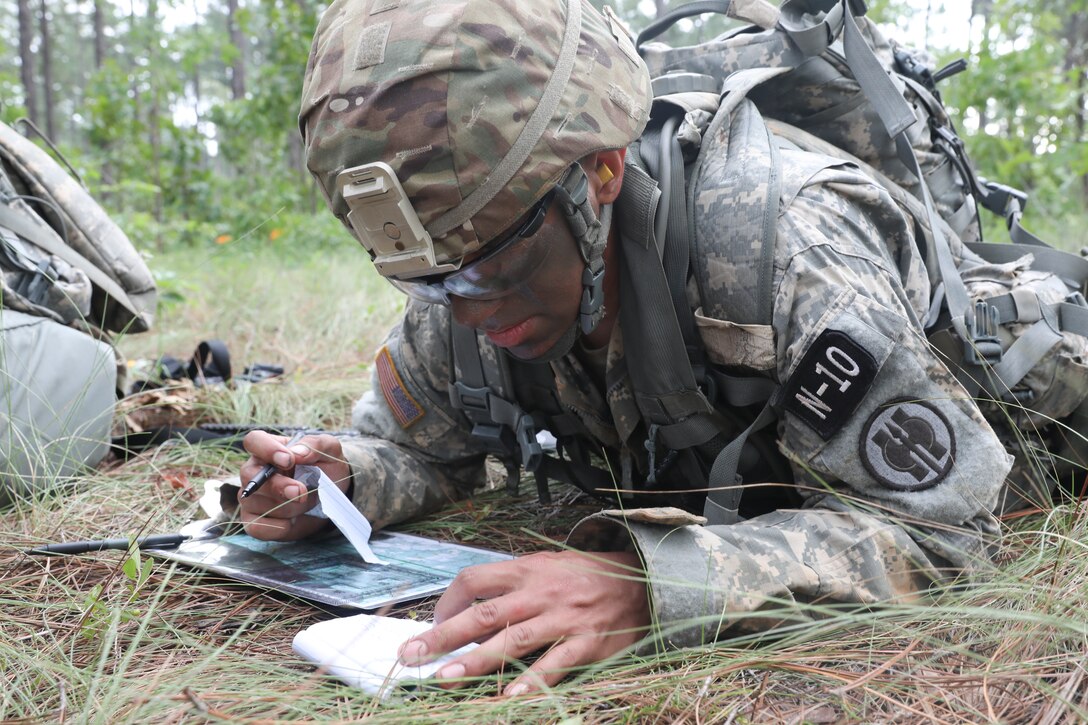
x: 154, y: 111
x: 47, y: 75
x: 99, y: 35
x: 1076, y: 59
x: 26, y: 59
x: 238, y: 67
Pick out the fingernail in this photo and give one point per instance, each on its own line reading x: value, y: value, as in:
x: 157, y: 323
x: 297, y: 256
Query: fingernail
x: 300, y: 449
x: 413, y: 653
x: 452, y: 672
x: 293, y: 491
x: 281, y: 459
x: 518, y: 688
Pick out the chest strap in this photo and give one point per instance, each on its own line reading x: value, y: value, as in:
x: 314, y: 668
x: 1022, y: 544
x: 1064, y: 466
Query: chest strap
x: 499, y: 422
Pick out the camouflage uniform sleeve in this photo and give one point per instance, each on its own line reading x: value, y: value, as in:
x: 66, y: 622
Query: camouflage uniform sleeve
x: 416, y: 453
x: 897, y: 468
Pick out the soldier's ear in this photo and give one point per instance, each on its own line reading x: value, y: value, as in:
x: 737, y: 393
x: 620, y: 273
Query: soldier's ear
x: 608, y: 176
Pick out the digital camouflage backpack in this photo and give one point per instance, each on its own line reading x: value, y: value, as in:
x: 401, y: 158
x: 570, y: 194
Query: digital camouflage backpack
x: 1010, y: 319
x: 69, y: 277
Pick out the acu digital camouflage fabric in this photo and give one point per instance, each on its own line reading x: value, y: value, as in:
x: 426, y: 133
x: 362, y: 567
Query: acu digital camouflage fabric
x: 446, y: 92
x: 846, y: 265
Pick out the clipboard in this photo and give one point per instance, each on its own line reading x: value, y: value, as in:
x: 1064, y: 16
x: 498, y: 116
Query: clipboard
x: 330, y: 571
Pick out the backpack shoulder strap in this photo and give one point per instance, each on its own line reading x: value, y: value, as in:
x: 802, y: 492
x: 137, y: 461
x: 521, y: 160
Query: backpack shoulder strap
x: 483, y: 391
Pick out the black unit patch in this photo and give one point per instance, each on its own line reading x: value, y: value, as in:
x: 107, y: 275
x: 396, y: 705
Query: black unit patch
x: 908, y: 445
x: 830, y: 382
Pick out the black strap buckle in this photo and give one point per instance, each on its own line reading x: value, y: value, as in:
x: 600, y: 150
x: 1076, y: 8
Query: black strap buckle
x: 915, y: 69
x: 531, y: 450
x: 592, y: 297
x: 1002, y: 199
x: 983, y: 345
x: 470, y: 399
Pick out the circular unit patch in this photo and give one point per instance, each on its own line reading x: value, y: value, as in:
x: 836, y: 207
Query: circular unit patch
x: 908, y: 445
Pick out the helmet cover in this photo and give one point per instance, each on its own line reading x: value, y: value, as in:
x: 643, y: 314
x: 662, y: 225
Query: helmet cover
x: 479, y: 107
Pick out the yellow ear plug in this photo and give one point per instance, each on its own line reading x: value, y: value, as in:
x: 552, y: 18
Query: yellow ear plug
x: 605, y: 174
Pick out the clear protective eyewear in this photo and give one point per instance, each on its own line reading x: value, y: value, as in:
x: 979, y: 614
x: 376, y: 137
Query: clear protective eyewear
x: 507, y: 265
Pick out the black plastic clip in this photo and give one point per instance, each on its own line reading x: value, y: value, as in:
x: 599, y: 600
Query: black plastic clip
x: 1002, y: 199
x: 464, y: 397
x: 984, y: 346
x: 592, y: 298
x: 531, y: 450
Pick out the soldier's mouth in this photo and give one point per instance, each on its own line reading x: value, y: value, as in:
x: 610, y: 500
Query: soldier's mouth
x: 510, y: 336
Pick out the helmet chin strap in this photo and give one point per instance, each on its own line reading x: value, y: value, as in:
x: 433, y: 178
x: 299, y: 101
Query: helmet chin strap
x: 591, y: 234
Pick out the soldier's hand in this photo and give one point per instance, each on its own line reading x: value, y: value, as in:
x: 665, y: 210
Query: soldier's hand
x: 276, y: 511
x: 582, y: 606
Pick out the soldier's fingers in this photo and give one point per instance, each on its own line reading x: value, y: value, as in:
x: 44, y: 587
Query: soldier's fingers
x: 553, y: 666
x: 265, y: 527
x: 263, y: 448
x: 476, y: 624
x: 269, y: 528
x: 318, y: 449
x: 483, y: 581
x: 514, y: 641
x: 281, y: 497
x: 280, y: 488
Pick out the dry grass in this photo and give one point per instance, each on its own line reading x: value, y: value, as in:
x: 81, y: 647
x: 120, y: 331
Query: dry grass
x: 186, y: 647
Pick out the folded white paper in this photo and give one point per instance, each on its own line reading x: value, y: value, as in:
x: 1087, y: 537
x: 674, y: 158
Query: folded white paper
x: 342, y: 512
x: 362, y: 651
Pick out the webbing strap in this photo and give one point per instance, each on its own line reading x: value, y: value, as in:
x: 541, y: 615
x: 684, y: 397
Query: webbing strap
x: 741, y: 392
x: 723, y: 487
x: 671, y: 228
x: 664, y: 384
x: 955, y: 291
x: 1073, y: 318
x: 1070, y: 267
x: 468, y: 368
x: 1017, y: 233
x: 813, y: 38
x: 1049, y: 323
x: 888, y: 102
x: 1022, y: 356
x: 484, y: 402
x: 1016, y: 307
x: 692, y: 431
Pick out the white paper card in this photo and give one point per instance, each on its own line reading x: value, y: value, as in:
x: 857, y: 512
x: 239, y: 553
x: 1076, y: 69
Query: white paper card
x: 362, y: 651
x: 342, y: 512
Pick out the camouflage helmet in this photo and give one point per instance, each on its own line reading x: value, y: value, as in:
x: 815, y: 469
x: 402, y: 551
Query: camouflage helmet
x: 477, y: 108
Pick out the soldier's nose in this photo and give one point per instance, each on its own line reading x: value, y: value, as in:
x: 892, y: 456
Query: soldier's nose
x: 473, y: 313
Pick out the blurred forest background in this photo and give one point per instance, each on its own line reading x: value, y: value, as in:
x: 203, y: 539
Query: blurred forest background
x: 180, y: 115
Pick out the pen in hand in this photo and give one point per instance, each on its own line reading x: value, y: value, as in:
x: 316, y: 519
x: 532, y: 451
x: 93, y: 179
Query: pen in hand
x: 265, y: 473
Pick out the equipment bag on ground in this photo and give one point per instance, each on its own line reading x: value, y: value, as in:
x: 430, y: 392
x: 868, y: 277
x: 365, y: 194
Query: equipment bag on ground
x: 69, y: 280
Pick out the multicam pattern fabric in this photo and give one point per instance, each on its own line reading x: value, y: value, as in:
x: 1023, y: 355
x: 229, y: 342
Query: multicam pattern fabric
x: 455, y: 93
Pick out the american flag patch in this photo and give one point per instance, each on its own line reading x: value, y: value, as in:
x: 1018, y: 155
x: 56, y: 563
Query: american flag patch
x: 405, y: 408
